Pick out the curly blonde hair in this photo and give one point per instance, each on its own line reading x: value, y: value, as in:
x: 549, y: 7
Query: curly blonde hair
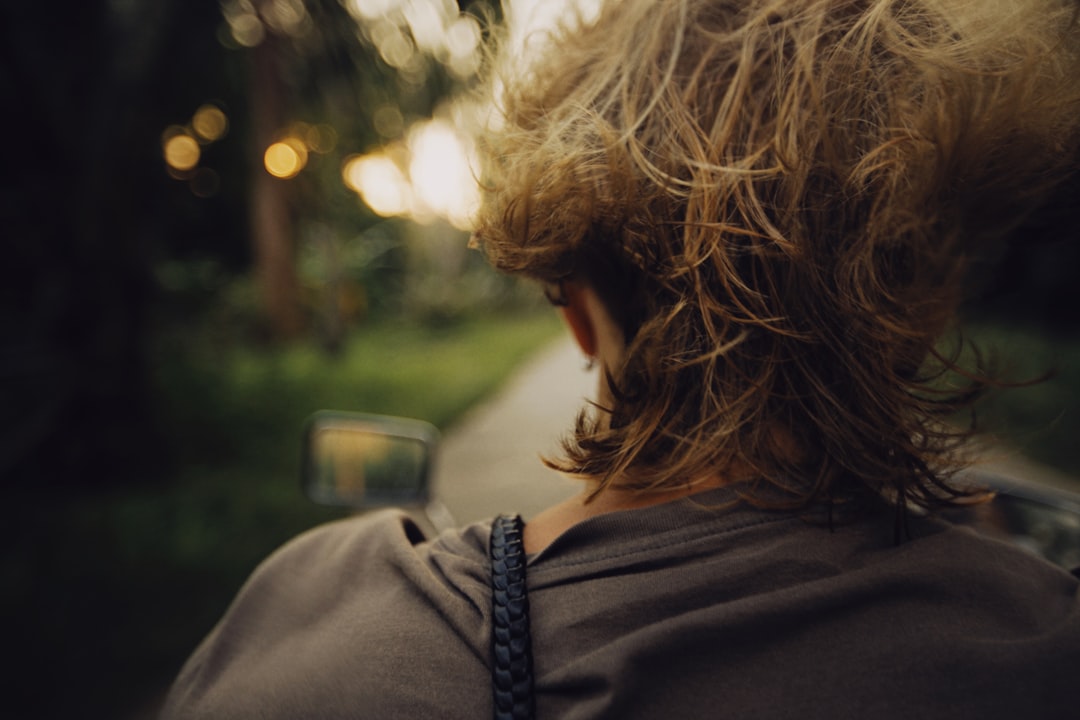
x: 774, y: 199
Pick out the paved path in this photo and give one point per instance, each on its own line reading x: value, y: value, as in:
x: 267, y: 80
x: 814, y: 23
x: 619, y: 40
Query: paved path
x: 488, y: 463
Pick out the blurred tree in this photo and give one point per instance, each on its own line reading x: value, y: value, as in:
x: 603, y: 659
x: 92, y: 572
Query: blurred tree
x: 271, y: 211
x: 360, y: 73
x: 102, y: 239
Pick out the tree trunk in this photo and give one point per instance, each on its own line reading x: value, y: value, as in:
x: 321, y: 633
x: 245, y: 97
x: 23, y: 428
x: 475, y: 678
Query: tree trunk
x: 271, y: 210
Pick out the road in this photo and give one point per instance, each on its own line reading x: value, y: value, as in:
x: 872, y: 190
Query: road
x: 489, y: 462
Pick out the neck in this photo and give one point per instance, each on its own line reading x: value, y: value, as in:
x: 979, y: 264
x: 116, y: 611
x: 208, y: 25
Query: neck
x: 541, y: 530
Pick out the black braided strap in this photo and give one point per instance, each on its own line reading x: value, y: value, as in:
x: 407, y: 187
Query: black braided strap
x: 511, y: 669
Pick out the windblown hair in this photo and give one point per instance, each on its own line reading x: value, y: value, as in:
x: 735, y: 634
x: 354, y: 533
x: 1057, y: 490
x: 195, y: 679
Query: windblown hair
x: 774, y: 199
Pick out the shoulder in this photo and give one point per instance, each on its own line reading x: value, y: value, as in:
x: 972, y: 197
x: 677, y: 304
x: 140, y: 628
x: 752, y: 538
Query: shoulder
x: 765, y: 610
x: 364, y: 542
x: 346, y: 540
x: 335, y: 620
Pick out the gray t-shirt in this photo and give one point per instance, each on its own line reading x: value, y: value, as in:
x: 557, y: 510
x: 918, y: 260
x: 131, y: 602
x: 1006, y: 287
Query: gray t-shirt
x: 678, y: 610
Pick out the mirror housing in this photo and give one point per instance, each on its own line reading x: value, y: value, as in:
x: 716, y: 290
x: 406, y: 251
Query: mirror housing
x: 1041, y: 519
x: 362, y: 461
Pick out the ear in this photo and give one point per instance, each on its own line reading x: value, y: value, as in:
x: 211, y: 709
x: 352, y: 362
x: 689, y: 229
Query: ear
x: 577, y: 317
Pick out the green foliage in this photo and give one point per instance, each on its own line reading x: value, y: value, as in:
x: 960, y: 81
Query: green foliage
x: 249, y: 396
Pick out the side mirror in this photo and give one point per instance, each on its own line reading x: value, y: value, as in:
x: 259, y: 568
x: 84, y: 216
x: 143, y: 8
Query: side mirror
x: 362, y: 461
x: 1040, y: 519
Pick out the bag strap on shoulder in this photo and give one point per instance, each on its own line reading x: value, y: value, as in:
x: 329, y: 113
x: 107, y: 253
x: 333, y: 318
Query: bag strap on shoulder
x: 511, y: 669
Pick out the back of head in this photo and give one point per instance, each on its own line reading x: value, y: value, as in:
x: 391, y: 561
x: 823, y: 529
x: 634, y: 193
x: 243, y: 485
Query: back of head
x: 774, y: 199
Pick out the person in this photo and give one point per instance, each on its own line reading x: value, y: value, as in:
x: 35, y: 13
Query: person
x: 755, y: 216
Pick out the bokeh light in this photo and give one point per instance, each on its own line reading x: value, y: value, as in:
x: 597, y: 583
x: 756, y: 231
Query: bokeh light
x: 287, y: 16
x: 380, y: 183
x: 463, y: 35
x: 247, y: 29
x: 210, y: 123
x: 441, y: 171
x: 462, y: 42
x: 285, y: 158
x: 320, y: 138
x: 427, y: 20
x: 438, y: 182
x: 181, y: 152
x: 409, y: 33
x: 371, y: 9
x: 388, y: 121
x: 394, y: 46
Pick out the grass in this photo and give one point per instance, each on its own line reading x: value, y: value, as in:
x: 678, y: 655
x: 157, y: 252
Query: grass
x: 113, y: 591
